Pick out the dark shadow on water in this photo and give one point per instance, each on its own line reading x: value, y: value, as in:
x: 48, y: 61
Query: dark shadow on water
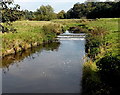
x: 14, y: 58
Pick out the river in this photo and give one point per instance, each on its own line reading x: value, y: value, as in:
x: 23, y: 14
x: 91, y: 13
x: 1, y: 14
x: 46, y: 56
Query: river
x: 51, y: 68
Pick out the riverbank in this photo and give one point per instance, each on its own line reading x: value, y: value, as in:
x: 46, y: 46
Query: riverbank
x: 28, y: 34
x: 21, y: 35
x: 101, y: 72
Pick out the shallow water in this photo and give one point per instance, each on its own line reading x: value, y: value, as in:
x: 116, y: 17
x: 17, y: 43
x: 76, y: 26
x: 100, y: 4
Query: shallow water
x: 53, y: 68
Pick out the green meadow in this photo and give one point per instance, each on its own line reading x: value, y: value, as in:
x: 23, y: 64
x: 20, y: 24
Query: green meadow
x: 106, y: 58
x: 36, y: 32
x: 28, y: 34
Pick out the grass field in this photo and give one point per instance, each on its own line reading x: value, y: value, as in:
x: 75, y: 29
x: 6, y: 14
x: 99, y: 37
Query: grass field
x: 28, y: 34
x: 110, y: 25
x: 92, y: 84
x: 36, y: 32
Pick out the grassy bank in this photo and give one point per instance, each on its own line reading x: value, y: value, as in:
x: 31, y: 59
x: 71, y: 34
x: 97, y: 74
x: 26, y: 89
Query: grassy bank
x: 71, y: 22
x: 28, y: 34
x: 102, y: 71
x: 22, y: 35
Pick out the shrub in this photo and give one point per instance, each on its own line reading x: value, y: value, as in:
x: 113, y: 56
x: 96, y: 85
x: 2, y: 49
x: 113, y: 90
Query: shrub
x: 109, y: 65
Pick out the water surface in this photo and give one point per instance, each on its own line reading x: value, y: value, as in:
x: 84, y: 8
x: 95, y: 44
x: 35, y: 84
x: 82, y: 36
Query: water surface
x: 53, y: 68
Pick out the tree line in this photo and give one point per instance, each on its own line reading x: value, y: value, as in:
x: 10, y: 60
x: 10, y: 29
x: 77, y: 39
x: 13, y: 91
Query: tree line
x: 93, y: 10
x: 90, y: 10
x: 44, y: 13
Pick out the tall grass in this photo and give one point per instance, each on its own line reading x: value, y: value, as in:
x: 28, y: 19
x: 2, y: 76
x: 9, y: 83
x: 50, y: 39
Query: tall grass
x: 28, y: 34
x: 92, y: 83
x: 110, y: 25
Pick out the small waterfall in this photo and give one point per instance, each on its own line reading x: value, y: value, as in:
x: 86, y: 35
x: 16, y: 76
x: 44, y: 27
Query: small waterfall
x: 71, y: 36
x: 67, y: 32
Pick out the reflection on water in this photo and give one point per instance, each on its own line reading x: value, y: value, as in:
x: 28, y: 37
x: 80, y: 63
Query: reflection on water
x: 15, y: 58
x: 51, y: 68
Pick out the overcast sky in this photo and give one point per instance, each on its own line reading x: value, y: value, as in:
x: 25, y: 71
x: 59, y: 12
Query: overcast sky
x: 58, y: 5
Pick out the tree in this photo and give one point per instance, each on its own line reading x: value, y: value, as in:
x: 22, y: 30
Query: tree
x: 45, y: 13
x: 28, y: 15
x: 80, y: 10
x: 94, y: 10
x: 61, y: 15
x: 69, y: 14
x: 10, y: 14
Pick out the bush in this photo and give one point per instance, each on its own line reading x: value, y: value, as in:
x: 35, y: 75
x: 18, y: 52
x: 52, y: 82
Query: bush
x: 109, y: 65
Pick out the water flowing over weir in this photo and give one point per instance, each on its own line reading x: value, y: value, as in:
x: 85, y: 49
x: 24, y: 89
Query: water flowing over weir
x: 71, y: 36
x: 51, y: 68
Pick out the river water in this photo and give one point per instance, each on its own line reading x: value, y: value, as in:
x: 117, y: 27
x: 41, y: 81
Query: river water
x: 51, y: 68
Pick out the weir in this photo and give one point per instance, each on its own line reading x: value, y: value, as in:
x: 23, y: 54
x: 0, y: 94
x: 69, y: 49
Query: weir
x: 71, y: 36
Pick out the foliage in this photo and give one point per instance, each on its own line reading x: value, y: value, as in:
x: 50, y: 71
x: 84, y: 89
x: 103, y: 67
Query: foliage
x: 105, y: 10
x: 102, y: 47
x: 94, y: 39
x: 91, y: 82
x: 7, y: 27
x: 109, y: 66
x: 45, y: 13
x: 28, y: 15
x: 10, y: 14
x: 94, y: 10
x: 61, y: 15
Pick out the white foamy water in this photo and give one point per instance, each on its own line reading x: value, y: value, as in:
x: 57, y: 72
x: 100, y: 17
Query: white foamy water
x: 71, y: 36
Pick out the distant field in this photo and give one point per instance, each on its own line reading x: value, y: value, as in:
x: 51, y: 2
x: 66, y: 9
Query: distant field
x: 110, y: 24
